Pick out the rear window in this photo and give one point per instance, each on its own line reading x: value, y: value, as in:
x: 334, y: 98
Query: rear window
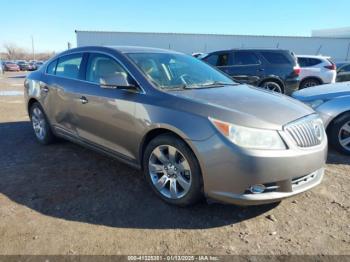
x: 276, y: 58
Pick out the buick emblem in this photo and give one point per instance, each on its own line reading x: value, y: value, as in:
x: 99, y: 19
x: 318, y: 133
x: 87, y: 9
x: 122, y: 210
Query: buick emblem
x: 318, y: 130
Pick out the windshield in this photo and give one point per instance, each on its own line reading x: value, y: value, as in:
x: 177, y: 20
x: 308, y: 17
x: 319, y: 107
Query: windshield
x: 173, y: 71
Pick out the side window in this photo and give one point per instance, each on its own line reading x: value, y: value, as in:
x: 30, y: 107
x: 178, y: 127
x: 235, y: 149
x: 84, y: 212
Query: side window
x: 303, y: 62
x: 245, y: 58
x: 314, y: 61
x: 51, y: 68
x: 102, y: 69
x: 212, y: 59
x: 275, y: 58
x: 69, y: 66
x: 222, y: 59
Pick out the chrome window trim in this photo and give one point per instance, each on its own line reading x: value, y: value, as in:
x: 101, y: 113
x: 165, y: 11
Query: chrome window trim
x: 141, y: 90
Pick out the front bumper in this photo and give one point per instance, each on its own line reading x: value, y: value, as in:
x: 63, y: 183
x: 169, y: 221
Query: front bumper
x: 228, y: 171
x: 286, y: 189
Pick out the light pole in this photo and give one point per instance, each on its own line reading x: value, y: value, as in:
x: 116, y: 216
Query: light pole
x: 33, y: 48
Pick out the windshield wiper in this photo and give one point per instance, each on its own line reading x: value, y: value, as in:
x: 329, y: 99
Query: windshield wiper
x: 210, y: 85
x: 198, y: 86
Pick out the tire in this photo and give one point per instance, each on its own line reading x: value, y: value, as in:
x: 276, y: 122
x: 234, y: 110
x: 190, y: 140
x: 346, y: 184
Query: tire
x: 339, y: 134
x: 41, y: 125
x: 309, y: 83
x: 272, y: 86
x: 163, y: 171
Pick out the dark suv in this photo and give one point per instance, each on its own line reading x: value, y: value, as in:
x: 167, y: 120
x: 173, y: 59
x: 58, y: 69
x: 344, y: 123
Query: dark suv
x: 275, y: 69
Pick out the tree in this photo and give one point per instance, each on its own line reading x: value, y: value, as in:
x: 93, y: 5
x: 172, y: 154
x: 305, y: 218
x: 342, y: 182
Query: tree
x: 13, y: 52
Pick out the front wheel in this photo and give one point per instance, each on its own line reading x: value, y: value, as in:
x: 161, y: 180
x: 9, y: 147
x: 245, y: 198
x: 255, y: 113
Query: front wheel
x: 339, y: 134
x: 172, y: 170
x: 41, y: 126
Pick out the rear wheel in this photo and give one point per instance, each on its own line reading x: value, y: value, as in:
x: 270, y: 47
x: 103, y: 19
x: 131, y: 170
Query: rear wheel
x: 309, y: 83
x: 172, y: 170
x: 339, y: 134
x: 41, y: 126
x: 272, y: 86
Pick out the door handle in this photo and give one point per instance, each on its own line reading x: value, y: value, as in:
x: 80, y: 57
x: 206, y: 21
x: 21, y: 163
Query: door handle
x: 83, y: 100
x: 261, y: 70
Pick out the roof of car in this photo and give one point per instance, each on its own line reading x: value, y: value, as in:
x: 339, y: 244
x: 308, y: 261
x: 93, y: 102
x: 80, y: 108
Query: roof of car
x: 252, y: 49
x: 314, y: 56
x: 121, y: 49
x: 140, y: 49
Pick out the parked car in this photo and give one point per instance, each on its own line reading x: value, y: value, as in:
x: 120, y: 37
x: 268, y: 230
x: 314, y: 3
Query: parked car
x: 191, y: 129
x: 23, y: 65
x: 316, y: 70
x: 11, y: 66
x: 332, y: 102
x: 198, y: 55
x: 31, y: 66
x: 275, y: 70
x: 38, y: 64
x: 1, y: 67
x: 343, y: 72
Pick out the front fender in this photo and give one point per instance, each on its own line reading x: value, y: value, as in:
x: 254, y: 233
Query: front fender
x: 333, y: 108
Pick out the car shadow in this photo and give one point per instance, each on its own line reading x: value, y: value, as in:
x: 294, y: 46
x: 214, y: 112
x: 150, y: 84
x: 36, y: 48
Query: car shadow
x: 337, y: 158
x: 70, y: 182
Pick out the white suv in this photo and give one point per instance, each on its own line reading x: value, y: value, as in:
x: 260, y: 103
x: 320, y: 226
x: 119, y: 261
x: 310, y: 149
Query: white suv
x: 316, y: 70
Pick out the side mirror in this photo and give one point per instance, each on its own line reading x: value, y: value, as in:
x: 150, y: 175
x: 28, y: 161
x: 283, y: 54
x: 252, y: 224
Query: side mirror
x: 119, y: 80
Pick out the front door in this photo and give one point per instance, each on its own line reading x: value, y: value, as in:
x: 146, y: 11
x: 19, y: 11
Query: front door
x: 245, y: 67
x: 105, y: 115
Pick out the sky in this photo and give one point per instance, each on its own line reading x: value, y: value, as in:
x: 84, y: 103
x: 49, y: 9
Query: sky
x: 52, y: 23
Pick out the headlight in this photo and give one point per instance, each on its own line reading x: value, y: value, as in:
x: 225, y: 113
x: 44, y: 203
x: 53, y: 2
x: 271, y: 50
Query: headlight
x: 250, y: 137
x: 315, y: 104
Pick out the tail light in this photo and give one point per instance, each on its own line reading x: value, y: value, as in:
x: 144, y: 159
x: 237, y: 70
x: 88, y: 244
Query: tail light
x: 297, y: 70
x: 331, y: 67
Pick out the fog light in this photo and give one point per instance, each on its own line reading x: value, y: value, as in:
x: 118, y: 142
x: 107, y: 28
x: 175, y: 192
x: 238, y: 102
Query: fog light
x: 257, y: 189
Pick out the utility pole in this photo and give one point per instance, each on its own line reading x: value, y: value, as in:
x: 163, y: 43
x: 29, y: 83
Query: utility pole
x: 33, y: 48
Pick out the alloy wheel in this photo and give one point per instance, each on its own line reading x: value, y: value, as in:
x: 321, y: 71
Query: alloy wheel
x: 310, y: 84
x: 39, y: 123
x: 272, y: 86
x: 170, y: 172
x: 344, y: 136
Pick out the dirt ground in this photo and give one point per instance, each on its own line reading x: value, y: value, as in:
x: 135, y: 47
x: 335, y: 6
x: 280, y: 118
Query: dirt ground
x: 65, y: 199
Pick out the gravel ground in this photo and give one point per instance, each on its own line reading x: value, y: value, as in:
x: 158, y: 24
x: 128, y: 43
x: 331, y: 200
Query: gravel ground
x: 65, y: 199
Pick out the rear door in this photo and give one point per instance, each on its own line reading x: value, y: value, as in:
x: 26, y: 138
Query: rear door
x: 61, y: 81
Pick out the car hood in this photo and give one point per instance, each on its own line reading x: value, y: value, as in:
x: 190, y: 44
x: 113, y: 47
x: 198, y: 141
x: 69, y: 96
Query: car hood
x: 246, y: 105
x: 323, y: 92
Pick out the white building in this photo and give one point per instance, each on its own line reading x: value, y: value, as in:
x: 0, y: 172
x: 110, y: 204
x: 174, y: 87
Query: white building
x: 343, y: 32
x: 337, y: 48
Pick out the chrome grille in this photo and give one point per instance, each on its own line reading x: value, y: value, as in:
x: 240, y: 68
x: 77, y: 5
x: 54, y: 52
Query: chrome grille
x: 306, y: 132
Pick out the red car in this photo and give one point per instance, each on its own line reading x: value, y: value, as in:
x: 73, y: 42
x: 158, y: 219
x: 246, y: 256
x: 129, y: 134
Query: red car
x: 10, y: 66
